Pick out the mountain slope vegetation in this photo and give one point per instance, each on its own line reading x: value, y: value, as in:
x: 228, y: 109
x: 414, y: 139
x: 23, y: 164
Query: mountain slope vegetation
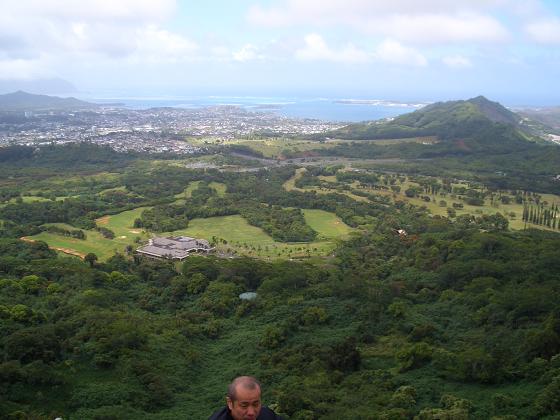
x: 449, y: 321
x: 414, y: 316
x: 477, y: 138
x: 21, y: 100
x: 446, y: 120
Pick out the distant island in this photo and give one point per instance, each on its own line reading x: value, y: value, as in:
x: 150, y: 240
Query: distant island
x: 380, y: 102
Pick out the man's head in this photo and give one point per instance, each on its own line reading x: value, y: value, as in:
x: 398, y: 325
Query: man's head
x: 244, y: 398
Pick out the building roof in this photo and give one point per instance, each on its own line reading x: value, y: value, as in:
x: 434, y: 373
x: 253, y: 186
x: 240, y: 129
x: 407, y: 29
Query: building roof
x: 176, y: 248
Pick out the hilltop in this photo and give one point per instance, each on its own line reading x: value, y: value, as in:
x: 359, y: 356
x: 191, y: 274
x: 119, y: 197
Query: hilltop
x: 21, y: 100
x: 475, y: 126
x: 445, y: 120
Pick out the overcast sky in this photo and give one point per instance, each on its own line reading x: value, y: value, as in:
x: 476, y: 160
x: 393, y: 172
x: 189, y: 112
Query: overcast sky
x: 508, y: 50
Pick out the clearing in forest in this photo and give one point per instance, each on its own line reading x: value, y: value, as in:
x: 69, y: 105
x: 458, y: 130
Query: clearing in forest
x: 326, y: 224
x: 234, y: 234
x: 122, y: 224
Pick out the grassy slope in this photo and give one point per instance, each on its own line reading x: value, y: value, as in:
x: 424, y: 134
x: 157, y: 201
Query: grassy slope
x: 121, y: 224
x: 249, y: 240
x: 489, y: 209
x: 245, y: 239
x: 218, y: 186
x: 326, y: 224
x: 241, y: 237
x: 290, y: 185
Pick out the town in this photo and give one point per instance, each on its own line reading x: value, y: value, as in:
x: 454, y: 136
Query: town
x: 155, y: 130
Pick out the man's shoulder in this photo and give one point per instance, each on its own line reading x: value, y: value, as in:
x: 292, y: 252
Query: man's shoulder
x: 267, y: 414
x: 222, y: 414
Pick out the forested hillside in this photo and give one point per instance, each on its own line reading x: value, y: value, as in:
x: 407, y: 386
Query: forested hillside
x: 447, y: 321
x: 413, y: 316
x: 477, y: 138
x: 446, y: 120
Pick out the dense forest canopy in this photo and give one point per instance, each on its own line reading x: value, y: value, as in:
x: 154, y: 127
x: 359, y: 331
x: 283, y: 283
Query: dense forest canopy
x: 449, y: 319
x: 414, y: 315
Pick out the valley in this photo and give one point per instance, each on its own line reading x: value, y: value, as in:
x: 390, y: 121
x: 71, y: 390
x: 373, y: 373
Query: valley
x: 413, y: 276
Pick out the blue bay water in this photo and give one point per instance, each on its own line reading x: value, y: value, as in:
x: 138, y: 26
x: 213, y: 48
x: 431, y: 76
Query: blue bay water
x: 328, y: 109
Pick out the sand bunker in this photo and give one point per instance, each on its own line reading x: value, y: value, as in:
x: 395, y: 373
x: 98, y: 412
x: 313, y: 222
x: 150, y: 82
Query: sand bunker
x: 103, y: 220
x: 70, y: 252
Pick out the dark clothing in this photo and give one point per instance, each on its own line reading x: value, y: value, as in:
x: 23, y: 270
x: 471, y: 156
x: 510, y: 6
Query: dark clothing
x: 265, y: 414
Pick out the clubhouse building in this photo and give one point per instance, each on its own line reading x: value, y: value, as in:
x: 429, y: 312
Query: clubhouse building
x: 174, y: 248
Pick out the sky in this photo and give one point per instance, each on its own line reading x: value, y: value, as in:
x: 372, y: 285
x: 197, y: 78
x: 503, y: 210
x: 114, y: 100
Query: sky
x: 507, y: 50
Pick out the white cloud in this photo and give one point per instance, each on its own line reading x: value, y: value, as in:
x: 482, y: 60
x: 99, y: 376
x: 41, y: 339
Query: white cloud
x: 392, y: 52
x: 155, y: 43
x: 544, y: 31
x: 290, y: 12
x: 103, y: 27
x: 411, y: 21
x: 527, y: 8
x: 123, y: 11
x: 220, y: 52
x: 83, y: 34
x: 388, y: 52
x: 456, y: 61
x: 24, y: 69
x: 317, y: 49
x: 248, y: 53
x: 438, y: 29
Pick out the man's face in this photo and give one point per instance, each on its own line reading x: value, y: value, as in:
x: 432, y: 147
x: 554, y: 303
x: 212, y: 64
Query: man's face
x: 247, y: 404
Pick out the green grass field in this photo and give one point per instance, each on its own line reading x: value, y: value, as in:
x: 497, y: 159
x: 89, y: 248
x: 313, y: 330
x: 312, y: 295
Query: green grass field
x: 234, y: 234
x: 386, y: 142
x: 327, y: 224
x: 273, y: 148
x: 95, y: 242
x: 218, y: 186
x: 433, y: 205
x: 276, y: 148
x: 186, y: 193
x: 488, y: 208
x: 290, y: 185
x: 245, y: 239
x: 121, y: 224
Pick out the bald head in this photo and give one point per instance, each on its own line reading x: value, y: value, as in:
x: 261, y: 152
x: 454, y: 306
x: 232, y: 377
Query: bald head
x: 249, y: 383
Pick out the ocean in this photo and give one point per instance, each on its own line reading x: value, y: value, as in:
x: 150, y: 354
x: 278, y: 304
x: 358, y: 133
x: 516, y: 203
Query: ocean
x: 327, y: 109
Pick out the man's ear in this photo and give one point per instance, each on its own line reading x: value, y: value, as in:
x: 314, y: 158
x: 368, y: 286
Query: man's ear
x: 229, y: 403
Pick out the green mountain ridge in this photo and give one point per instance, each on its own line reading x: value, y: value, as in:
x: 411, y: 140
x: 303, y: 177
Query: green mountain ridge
x: 21, y: 100
x: 480, y: 136
x: 450, y: 120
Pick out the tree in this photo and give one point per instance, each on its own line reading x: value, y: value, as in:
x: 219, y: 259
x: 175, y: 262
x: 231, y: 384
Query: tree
x: 344, y: 356
x: 197, y: 283
x: 411, y: 192
x: 90, y: 258
x: 548, y: 401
